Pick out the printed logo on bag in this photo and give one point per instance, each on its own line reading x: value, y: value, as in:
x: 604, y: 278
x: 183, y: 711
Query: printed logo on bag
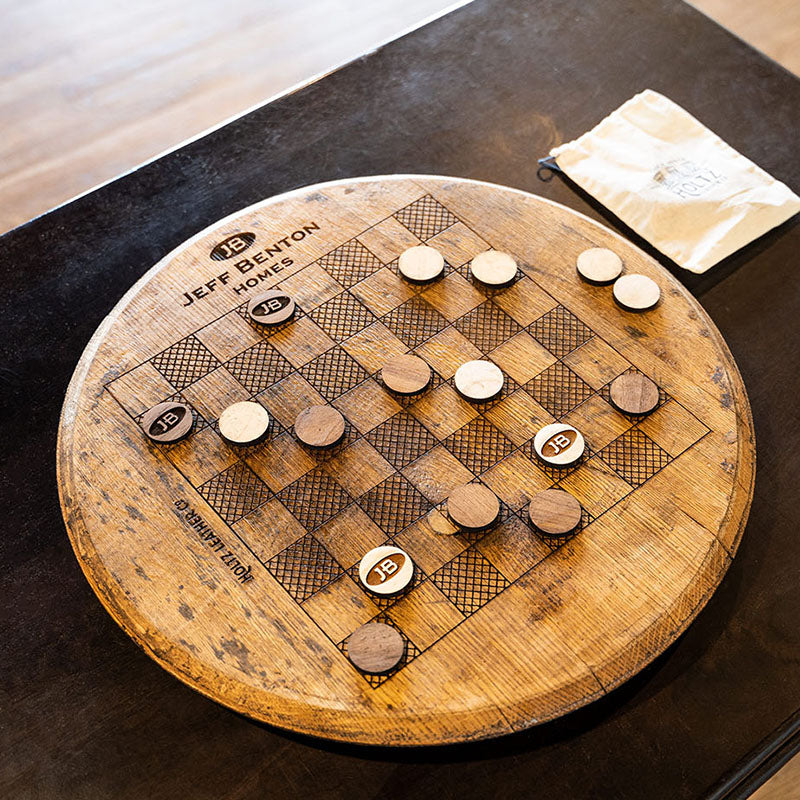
x: 686, y: 178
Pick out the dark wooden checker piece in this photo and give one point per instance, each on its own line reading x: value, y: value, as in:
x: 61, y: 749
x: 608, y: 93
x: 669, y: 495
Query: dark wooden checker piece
x: 473, y: 506
x: 406, y: 374
x: 293, y: 521
x: 376, y: 647
x: 168, y: 422
x: 319, y: 426
x: 554, y: 512
x: 634, y: 393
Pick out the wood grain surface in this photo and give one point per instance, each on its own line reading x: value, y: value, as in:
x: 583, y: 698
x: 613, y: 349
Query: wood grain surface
x: 234, y: 570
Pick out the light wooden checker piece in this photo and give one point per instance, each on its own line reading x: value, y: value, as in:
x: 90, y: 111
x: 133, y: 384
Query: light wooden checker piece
x: 554, y: 512
x: 636, y: 292
x: 421, y: 263
x: 319, y: 426
x: 473, y: 506
x: 244, y: 423
x: 279, y: 529
x: 599, y: 265
x: 479, y: 380
x: 493, y: 268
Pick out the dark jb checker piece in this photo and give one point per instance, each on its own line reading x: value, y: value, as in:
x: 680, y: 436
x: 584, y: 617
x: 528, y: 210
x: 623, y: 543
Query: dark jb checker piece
x: 167, y: 422
x: 271, y: 308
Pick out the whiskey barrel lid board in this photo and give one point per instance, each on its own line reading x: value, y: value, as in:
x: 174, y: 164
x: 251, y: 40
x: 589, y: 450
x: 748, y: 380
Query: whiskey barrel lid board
x: 243, y: 579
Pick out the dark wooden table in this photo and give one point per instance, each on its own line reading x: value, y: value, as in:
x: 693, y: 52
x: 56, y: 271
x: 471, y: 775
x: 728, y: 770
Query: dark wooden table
x: 480, y: 93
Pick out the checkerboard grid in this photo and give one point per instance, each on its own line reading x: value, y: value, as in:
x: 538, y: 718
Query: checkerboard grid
x: 333, y: 373
x: 487, y: 326
x: 560, y: 331
x: 469, y: 581
x: 342, y: 316
x: 401, y: 439
x: 414, y: 321
x: 635, y: 457
x: 425, y: 218
x: 394, y: 503
x: 259, y: 367
x: 314, y: 498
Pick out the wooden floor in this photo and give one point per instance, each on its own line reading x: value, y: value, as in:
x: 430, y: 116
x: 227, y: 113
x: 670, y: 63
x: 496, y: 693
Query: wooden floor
x: 92, y: 88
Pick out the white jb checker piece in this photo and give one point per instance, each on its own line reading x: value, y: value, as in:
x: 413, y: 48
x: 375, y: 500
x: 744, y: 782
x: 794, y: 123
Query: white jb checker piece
x: 559, y: 444
x: 386, y: 570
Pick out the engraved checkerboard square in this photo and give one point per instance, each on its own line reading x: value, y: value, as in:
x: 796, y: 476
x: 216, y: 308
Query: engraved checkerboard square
x: 512, y: 547
x: 426, y: 614
x: 350, y: 263
x: 259, y: 367
x: 280, y: 460
x: 425, y: 217
x: 515, y: 479
x: 269, y: 529
x: 525, y: 301
x: 333, y: 373
x: 596, y: 486
x: 202, y: 456
x: 635, y: 457
x: 431, y: 541
x: 227, y: 336
x: 437, y: 473
x: 673, y: 428
x: 382, y: 291
x: 487, y: 326
x: 340, y: 606
x: 598, y: 421
x: 349, y: 535
x: 478, y: 445
x: 140, y: 389
x: 415, y: 321
x: 235, y: 492
x: 394, y: 504
x: 185, y: 362
x: 469, y: 581
x: 560, y: 331
x: 304, y: 568
x: 314, y: 498
x: 342, y: 316
x: 558, y: 389
x: 401, y: 439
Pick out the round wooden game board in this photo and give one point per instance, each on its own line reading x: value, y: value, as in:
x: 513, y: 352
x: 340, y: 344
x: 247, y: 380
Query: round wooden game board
x: 237, y: 569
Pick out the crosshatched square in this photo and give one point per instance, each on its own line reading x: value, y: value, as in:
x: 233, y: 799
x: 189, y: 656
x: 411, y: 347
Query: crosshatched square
x: 478, y: 445
x: 367, y: 405
x: 382, y: 291
x: 598, y: 421
x: 227, y: 336
x: 401, y: 439
x: 426, y: 614
x: 311, y: 287
x: 415, y: 321
x: 516, y: 479
x: 469, y: 581
x: 394, y: 504
x: 259, y: 367
x: 524, y: 301
x: 559, y: 389
x: 342, y: 316
x: 522, y: 357
x: 596, y: 486
x: 269, y: 529
x: 374, y: 346
x: 673, y: 428
x: 487, y: 326
x: 185, y: 362
x: 350, y: 535
x: 635, y: 456
x: 333, y: 373
x: 358, y: 467
x: 442, y: 411
x: 447, y: 351
x: 314, y: 498
x: 596, y: 362
x: 519, y: 417
x: 437, y: 473
x: 304, y: 568
x: 340, y: 607
x: 350, y: 263
x: 425, y: 217
x: 235, y: 492
x: 301, y: 341
x: 280, y: 460
x: 453, y: 296
x: 560, y: 331
x: 512, y: 548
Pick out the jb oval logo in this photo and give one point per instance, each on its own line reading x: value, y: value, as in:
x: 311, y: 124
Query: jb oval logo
x: 167, y: 421
x: 272, y: 306
x: 232, y: 246
x: 559, y: 442
x: 385, y: 568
